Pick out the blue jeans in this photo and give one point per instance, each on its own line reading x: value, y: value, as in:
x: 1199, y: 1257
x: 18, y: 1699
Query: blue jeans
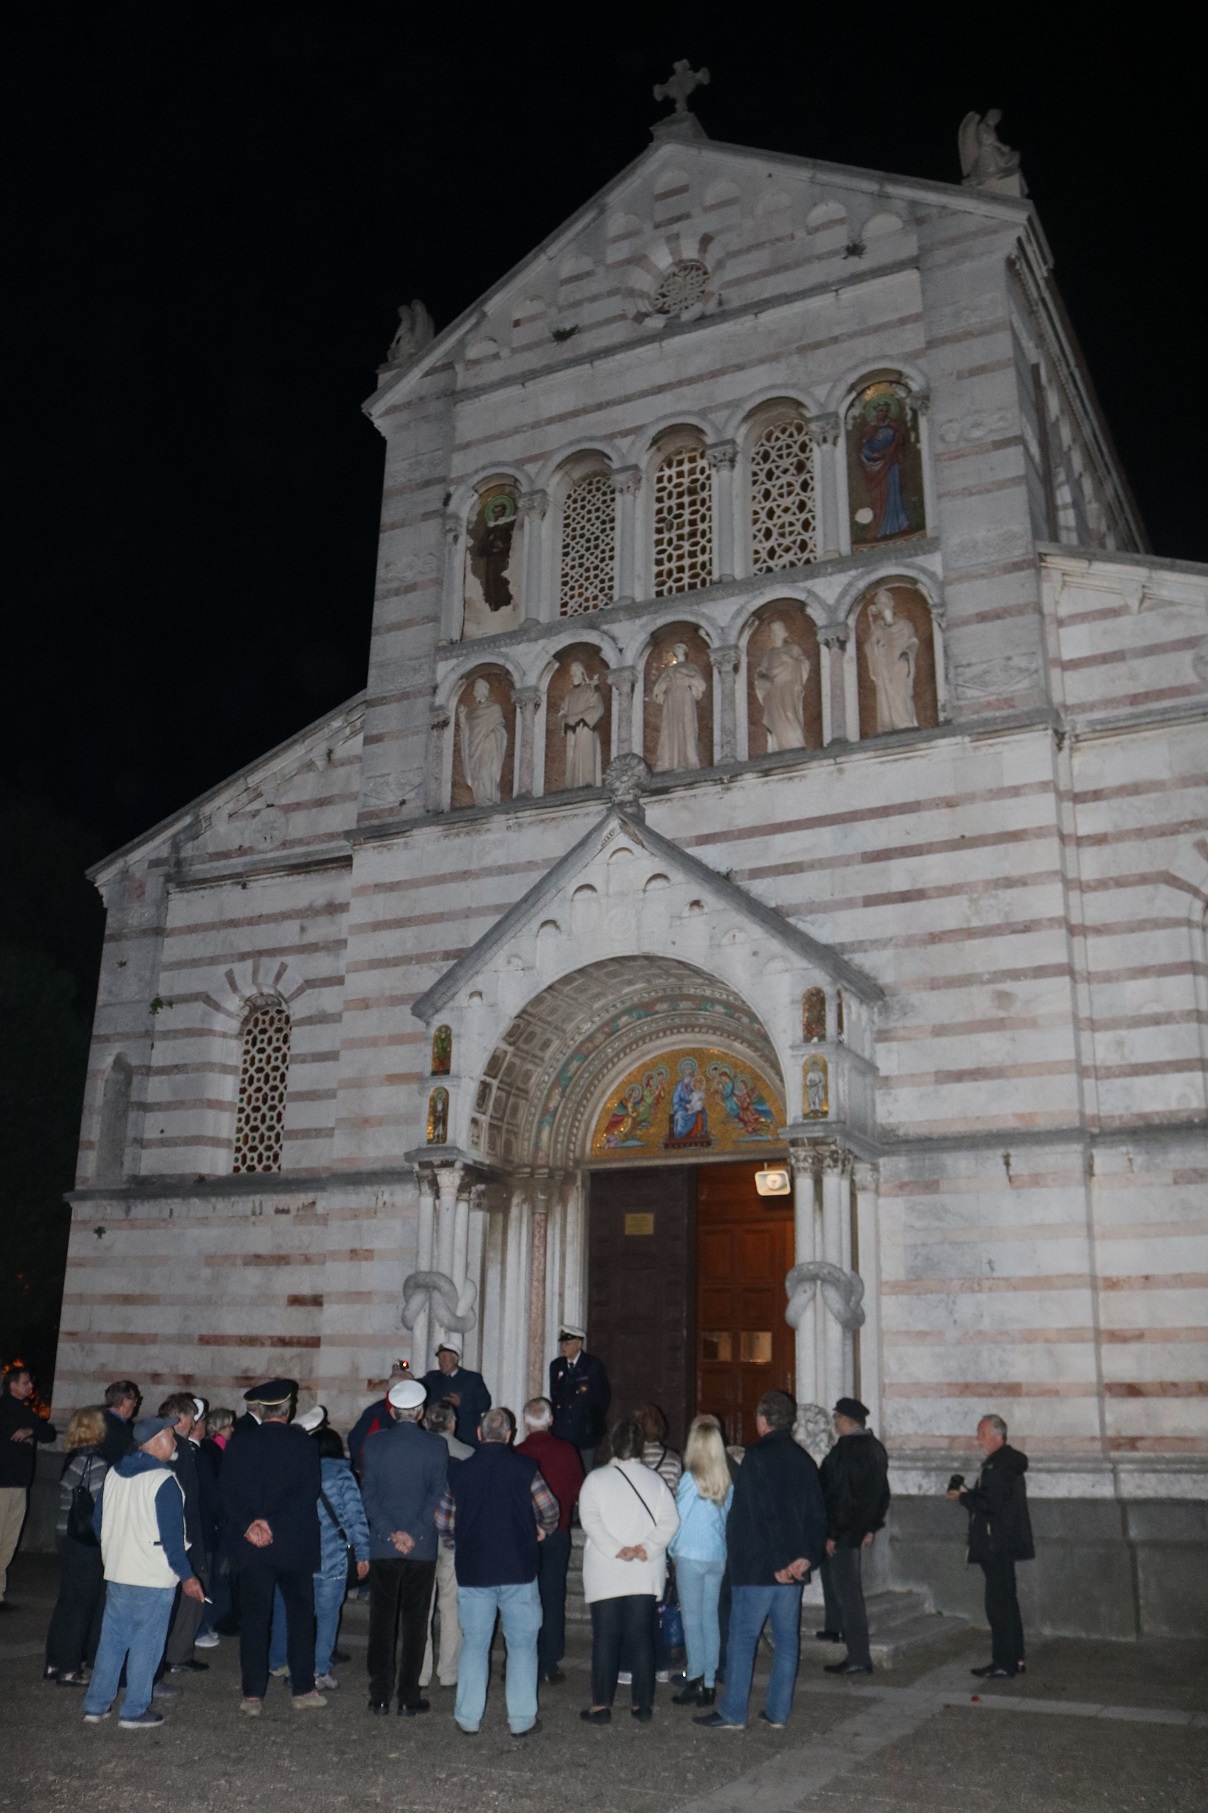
x: 699, y: 1584
x: 750, y: 1609
x: 520, y: 1609
x: 329, y: 1603
x: 133, y: 1632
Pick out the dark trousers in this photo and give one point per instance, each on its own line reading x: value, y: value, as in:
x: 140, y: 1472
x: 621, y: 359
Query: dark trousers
x: 187, y: 1615
x: 841, y: 1577
x: 400, y: 1597
x: 832, y: 1617
x: 1002, y: 1613
x: 553, y: 1557
x: 75, y: 1623
x: 623, y: 1624
x: 256, y: 1588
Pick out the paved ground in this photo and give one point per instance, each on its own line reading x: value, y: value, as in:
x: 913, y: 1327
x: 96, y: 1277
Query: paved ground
x: 1117, y: 1727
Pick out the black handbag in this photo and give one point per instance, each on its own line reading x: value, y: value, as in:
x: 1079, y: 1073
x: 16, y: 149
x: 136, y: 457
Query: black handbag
x: 351, y: 1578
x: 79, y: 1511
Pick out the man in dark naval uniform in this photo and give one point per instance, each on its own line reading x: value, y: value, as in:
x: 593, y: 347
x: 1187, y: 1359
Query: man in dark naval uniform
x: 452, y: 1383
x: 580, y: 1394
x: 270, y: 1483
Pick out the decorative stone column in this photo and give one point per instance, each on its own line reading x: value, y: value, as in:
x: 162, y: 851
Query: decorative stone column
x: 726, y: 663
x: 836, y: 1211
x: 868, y: 1262
x: 451, y: 599
x: 527, y: 699
x: 805, y: 1247
x: 622, y: 680
x: 832, y: 640
x: 939, y: 622
x: 625, y: 483
x: 448, y: 1183
x: 723, y: 457
x: 531, y: 507
x: 826, y: 431
x: 421, y: 1333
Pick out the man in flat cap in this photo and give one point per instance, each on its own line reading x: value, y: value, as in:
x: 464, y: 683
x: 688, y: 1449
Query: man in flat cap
x: 140, y: 1519
x: 405, y: 1473
x: 452, y: 1383
x: 855, y: 1485
x: 271, y: 1480
x: 580, y: 1394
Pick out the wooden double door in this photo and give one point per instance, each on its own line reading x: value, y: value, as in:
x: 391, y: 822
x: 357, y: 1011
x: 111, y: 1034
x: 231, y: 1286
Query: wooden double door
x: 686, y: 1300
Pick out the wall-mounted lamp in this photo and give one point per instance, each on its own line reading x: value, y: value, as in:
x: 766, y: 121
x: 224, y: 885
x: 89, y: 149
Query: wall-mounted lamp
x: 773, y: 1183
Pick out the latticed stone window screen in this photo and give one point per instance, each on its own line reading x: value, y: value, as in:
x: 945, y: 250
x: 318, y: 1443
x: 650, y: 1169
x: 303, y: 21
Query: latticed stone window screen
x: 683, y: 522
x: 681, y: 287
x: 784, y: 507
x: 260, y: 1116
x: 588, y: 544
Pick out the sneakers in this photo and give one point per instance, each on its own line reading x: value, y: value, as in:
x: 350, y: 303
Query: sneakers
x: 662, y: 1676
x: 624, y: 1679
x: 776, y: 1724
x: 327, y: 1682
x: 94, y: 1718
x: 142, y: 1721
x: 307, y: 1702
x: 206, y: 1639
x: 251, y: 1708
x: 279, y: 1674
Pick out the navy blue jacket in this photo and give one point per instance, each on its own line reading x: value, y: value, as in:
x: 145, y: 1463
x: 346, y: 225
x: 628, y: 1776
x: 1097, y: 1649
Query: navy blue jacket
x: 403, y: 1478
x: 778, y: 1513
x: 580, y: 1395
x: 272, y: 1472
x: 494, y: 1522
x: 470, y: 1388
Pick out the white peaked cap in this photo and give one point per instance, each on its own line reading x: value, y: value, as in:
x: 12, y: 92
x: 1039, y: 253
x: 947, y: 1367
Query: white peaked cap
x: 312, y: 1419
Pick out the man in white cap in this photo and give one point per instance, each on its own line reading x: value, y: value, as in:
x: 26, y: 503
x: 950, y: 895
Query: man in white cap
x: 404, y: 1479
x: 580, y: 1394
x: 452, y: 1383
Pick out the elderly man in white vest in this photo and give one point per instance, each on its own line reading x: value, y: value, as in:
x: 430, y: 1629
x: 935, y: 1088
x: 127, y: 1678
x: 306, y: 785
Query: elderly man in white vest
x: 140, y: 1519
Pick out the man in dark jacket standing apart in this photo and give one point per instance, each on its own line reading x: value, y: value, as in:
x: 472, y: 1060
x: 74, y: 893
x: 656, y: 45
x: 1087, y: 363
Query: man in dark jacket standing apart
x: 21, y: 1429
x: 452, y: 1383
x: 403, y: 1480
x: 855, y: 1485
x: 775, y: 1536
x: 270, y: 1485
x: 497, y: 1510
x: 580, y: 1394
x: 562, y: 1470
x: 1000, y: 1534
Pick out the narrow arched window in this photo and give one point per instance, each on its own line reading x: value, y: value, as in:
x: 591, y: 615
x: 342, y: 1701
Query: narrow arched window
x: 263, y: 1076
x: 784, y: 510
x: 588, y: 545
x: 683, y: 520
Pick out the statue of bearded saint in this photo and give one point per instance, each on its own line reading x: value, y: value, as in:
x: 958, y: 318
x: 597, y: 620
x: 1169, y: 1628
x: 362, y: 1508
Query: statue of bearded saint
x: 484, y: 741
x: 892, y: 652
x: 581, y: 711
x: 780, y: 688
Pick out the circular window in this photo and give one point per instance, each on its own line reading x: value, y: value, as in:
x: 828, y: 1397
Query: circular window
x: 681, y: 288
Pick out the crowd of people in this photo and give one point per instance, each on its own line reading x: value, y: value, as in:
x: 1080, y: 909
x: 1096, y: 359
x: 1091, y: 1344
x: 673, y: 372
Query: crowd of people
x: 182, y: 1527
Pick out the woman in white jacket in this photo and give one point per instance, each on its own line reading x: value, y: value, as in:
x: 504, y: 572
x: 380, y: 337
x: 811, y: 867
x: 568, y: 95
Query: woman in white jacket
x: 628, y: 1517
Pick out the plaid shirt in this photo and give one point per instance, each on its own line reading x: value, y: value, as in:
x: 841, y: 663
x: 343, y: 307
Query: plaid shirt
x: 545, y: 1510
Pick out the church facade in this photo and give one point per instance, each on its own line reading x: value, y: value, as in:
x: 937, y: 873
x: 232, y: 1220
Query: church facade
x: 780, y: 754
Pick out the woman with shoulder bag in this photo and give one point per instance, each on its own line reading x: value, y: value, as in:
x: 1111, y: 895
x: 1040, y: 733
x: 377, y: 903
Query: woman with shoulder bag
x: 699, y: 1547
x: 75, y: 1624
x: 628, y: 1517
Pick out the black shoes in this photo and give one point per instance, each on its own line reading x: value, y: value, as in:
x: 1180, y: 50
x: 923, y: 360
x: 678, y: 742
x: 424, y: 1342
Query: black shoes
x: 993, y: 1671
x: 340, y: 1655
x: 380, y: 1707
x: 689, y: 1693
x: 529, y: 1730
x: 828, y: 1636
x: 554, y: 1678
x: 414, y: 1709
x: 193, y: 1667
x: 850, y: 1668
x: 643, y: 1714
x: 596, y: 1715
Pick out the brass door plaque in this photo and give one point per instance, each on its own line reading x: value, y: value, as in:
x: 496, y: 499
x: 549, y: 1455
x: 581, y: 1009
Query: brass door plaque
x: 642, y: 1225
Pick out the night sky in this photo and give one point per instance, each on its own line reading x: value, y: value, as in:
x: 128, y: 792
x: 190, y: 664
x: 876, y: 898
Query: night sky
x: 212, y: 213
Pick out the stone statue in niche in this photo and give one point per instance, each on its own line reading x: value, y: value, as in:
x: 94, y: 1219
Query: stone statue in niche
x: 817, y: 1103
x: 581, y: 711
x: 677, y: 692
x: 414, y: 332
x: 780, y: 688
x: 438, y: 1117
x: 813, y: 1015
x: 986, y: 163
x: 442, y: 1051
x: 484, y: 740
x: 892, y: 652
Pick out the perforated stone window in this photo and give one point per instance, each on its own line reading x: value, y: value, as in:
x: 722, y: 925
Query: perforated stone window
x: 588, y: 545
x: 682, y: 287
x: 260, y: 1116
x: 784, y: 510
x: 683, y: 522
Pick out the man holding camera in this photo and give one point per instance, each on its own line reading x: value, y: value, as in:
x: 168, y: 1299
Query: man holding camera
x: 1000, y: 1534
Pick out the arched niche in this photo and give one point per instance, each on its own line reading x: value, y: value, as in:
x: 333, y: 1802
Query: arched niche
x: 578, y: 719
x: 885, y: 490
x: 492, y: 574
x: 484, y: 738
x: 673, y: 700
x: 895, y: 660
x: 783, y: 666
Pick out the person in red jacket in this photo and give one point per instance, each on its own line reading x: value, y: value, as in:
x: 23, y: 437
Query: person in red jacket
x: 561, y: 1468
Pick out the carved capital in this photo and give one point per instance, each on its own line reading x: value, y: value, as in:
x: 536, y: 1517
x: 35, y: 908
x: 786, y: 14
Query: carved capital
x: 451, y: 525
x: 939, y: 612
x: 723, y: 455
x: 533, y: 503
x: 527, y: 697
x: 867, y: 1177
x: 621, y: 679
x: 726, y: 658
x: 836, y: 1160
x: 626, y: 480
x: 834, y: 635
x: 824, y: 430
x: 921, y: 400
x: 805, y: 1161
x: 441, y: 717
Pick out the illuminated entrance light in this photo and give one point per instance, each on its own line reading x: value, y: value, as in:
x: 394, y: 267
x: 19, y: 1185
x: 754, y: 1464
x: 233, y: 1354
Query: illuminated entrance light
x: 773, y: 1182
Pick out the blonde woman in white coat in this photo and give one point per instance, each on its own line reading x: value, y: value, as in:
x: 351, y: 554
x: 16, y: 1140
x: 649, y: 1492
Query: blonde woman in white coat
x: 628, y: 1516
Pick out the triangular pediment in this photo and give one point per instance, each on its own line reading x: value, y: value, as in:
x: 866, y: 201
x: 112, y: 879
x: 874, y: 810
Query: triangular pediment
x: 625, y: 888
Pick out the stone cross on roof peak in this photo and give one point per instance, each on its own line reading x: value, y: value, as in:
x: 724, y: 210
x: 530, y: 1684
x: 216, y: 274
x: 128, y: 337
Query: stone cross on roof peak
x: 682, y: 82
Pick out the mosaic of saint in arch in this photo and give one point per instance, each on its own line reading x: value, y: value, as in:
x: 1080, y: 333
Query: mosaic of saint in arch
x: 694, y: 1098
